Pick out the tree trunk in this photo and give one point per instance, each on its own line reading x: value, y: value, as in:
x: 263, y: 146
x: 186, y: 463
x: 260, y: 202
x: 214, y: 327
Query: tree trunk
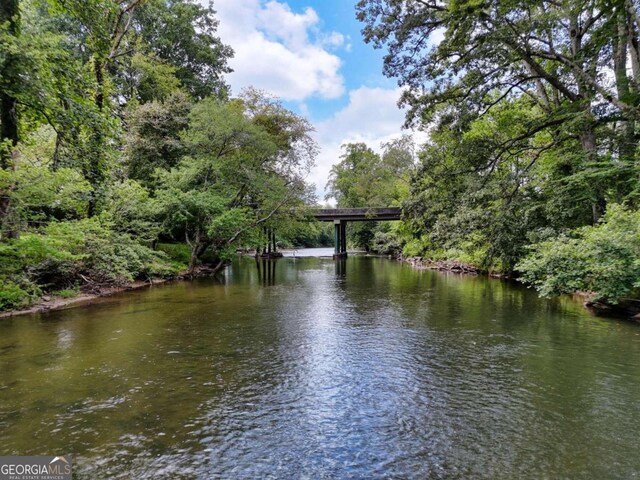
x: 626, y: 141
x: 56, y: 152
x: 587, y: 136
x: 93, y: 171
x: 99, y: 72
x: 194, y: 260
x: 9, y: 120
x: 197, y: 249
x: 8, y: 130
x: 589, y: 148
x: 218, y: 267
x: 9, y: 72
x: 634, y: 48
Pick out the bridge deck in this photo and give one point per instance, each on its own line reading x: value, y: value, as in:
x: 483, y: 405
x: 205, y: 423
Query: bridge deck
x: 357, y: 214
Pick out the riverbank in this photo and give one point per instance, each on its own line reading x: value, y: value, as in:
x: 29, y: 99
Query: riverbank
x: 626, y: 308
x: 629, y: 308
x: 453, y: 266
x: 51, y: 302
x: 441, y: 265
x: 92, y: 293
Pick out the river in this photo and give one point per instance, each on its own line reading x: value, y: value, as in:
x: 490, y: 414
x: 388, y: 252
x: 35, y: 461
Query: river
x: 310, y: 368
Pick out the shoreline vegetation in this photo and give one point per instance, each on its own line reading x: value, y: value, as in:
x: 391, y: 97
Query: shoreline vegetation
x: 91, y: 294
x: 626, y: 309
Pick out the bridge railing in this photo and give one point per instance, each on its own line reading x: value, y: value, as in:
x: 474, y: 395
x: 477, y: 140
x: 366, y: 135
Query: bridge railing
x: 357, y: 214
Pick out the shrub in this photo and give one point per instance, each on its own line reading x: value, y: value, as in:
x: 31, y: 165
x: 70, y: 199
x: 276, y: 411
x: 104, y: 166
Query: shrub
x: 109, y: 256
x: 67, y: 292
x: 177, y: 252
x: 65, y: 254
x: 12, y: 295
x: 414, y: 248
x: 386, y: 243
x: 603, y: 259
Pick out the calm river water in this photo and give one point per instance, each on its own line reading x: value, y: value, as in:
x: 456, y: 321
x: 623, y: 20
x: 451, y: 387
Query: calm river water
x: 321, y: 369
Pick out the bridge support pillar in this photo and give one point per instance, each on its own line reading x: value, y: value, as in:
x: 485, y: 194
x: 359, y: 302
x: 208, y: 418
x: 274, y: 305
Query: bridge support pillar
x: 340, y: 250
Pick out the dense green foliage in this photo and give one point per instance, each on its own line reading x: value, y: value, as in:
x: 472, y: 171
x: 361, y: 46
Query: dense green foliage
x: 603, y: 259
x: 118, y: 132
x: 63, y: 254
x: 532, y: 110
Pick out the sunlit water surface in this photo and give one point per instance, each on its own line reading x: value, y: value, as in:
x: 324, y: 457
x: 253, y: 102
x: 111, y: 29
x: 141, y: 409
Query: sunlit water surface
x: 310, y: 368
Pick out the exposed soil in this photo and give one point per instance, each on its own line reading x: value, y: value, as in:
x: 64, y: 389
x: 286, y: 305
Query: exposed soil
x: 442, y: 265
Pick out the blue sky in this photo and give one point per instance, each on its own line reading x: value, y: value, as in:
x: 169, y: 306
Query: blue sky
x: 362, y: 64
x: 310, y: 53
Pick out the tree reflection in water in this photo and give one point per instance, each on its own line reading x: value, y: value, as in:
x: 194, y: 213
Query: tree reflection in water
x: 266, y: 270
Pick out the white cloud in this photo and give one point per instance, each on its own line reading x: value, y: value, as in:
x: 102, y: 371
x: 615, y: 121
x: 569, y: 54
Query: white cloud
x: 371, y: 116
x: 287, y: 54
x: 279, y: 50
x: 437, y: 37
x: 334, y: 40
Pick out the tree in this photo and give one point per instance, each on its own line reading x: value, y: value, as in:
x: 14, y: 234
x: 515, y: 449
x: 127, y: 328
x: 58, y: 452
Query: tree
x: 351, y: 179
x: 118, y: 113
x: 9, y: 81
x: 105, y: 25
x: 559, y: 54
x: 364, y: 178
x: 398, y: 156
x: 153, y: 139
x: 182, y: 34
x: 245, y: 166
x: 462, y: 211
x: 9, y: 75
x: 532, y: 109
x: 146, y: 78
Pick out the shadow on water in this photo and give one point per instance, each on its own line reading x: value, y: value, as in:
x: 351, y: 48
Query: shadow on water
x: 341, y: 267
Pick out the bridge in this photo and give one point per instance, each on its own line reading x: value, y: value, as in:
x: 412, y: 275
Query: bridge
x: 340, y: 217
x: 357, y: 214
